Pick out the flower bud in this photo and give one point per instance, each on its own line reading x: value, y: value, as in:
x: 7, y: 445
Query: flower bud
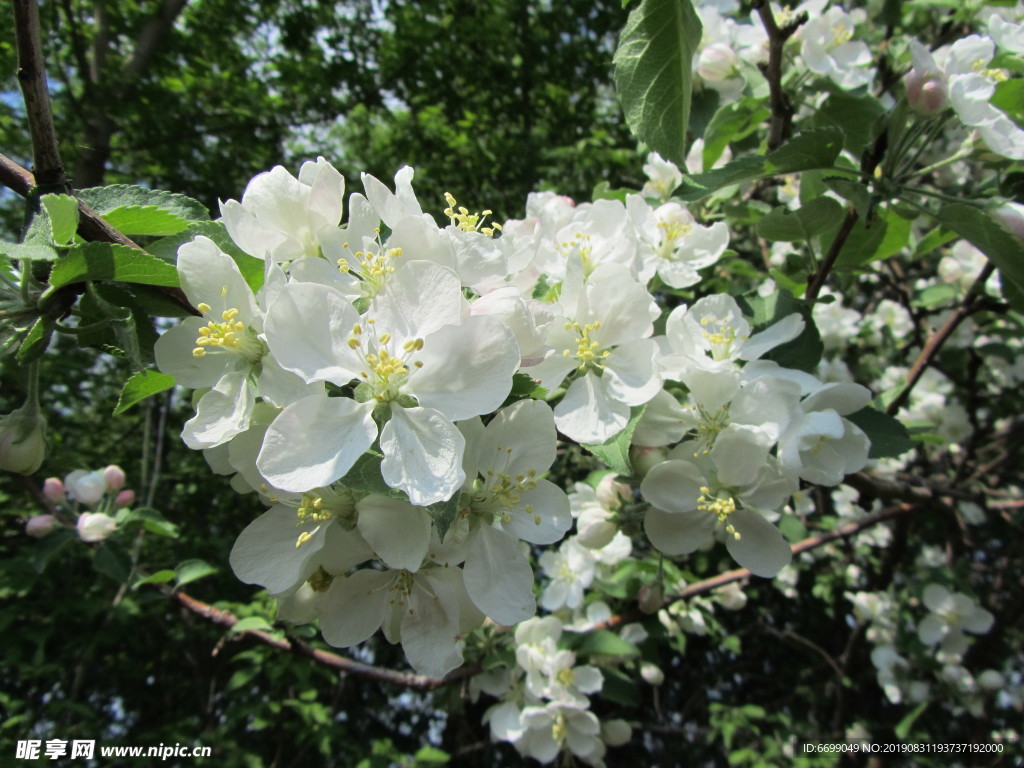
x: 615, y: 733
x: 40, y: 525
x: 717, y: 62
x: 926, y: 91
x: 124, y: 499
x: 114, y: 477
x: 596, y: 533
x: 611, y: 493
x: 85, y: 487
x: 53, y: 490
x: 650, y: 597
x: 651, y: 673
x: 1012, y: 217
x: 95, y: 526
x: 22, y: 440
x: 731, y: 597
x: 645, y: 459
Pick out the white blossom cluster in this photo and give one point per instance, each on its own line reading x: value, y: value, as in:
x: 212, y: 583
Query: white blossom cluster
x: 349, y: 390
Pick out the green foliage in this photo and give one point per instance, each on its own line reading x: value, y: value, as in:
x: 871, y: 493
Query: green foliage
x: 654, y: 73
x: 141, y: 385
x: 108, y: 261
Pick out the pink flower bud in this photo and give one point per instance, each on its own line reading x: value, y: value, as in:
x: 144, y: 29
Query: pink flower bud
x: 95, y: 526
x: 53, y: 490
x: 114, y: 477
x: 124, y: 499
x: 40, y: 525
x: 926, y: 91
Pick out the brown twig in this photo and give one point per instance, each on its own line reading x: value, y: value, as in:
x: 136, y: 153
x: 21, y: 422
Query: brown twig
x: 328, y: 659
x: 937, y: 339
x: 782, y: 109
x: 32, y: 79
x: 818, y: 279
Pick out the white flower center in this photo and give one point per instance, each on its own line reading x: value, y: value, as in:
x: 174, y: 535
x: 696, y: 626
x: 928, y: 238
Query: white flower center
x: 373, y: 267
x: 385, y: 371
x: 589, y: 353
x: 228, y: 336
x: 466, y: 221
x: 720, y: 508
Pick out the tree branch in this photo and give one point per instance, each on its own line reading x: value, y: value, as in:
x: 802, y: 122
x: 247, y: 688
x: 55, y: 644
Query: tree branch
x: 32, y: 79
x: 150, y: 37
x: 937, y: 339
x: 782, y: 110
x: 819, y: 277
x: 328, y: 659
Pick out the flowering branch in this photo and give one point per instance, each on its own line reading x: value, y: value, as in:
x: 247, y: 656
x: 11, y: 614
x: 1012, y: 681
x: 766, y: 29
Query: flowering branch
x: 819, y: 277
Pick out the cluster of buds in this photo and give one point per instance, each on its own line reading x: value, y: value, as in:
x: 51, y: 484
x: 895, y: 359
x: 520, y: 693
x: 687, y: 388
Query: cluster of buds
x: 101, y: 492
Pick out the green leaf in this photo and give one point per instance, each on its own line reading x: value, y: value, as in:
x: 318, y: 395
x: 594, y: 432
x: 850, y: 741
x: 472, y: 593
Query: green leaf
x: 252, y: 269
x: 160, y: 577
x: 431, y: 756
x: 152, y: 521
x: 603, y: 642
x: 732, y: 122
x: 888, y: 437
x: 141, y: 385
x: 365, y: 477
x: 808, y: 221
x: 106, y: 199
x: 619, y: 688
x: 853, y: 115
x: 808, y: 151
x: 614, y: 451
x: 902, y: 729
x: 988, y: 236
x: 37, y: 340
x: 444, y: 514
x: 62, y: 211
x: 251, y: 623
x: 145, y: 220
x: 24, y: 251
x: 1009, y: 97
x: 193, y: 570
x: 654, y: 73
x: 50, y: 545
x: 803, y: 352
x: 107, y: 261
x: 111, y: 560
x: 851, y: 190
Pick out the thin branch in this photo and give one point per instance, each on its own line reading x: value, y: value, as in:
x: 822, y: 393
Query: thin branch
x: 937, y: 339
x: 150, y: 37
x: 328, y: 659
x: 819, y: 277
x: 32, y: 79
x: 782, y: 110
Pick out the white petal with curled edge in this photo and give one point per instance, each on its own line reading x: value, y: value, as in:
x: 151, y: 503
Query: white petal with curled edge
x: 678, y: 533
x: 931, y: 629
x: 422, y: 455
x: 673, y: 486
x: 398, y: 532
x: 631, y: 375
x: 248, y: 232
x: 308, y: 328
x: 209, y: 275
x: 739, y: 453
x: 979, y: 621
x: 173, y: 351
x: 761, y: 548
x: 587, y: 414
x: 265, y: 552
x: 343, y: 550
x: 466, y: 369
x: 542, y: 516
x: 315, y: 441
x: 843, y: 397
x: 313, y: 269
x: 221, y: 413
x: 664, y: 421
x: 353, y: 608
x: 587, y: 679
x: 498, y: 578
x: 787, y: 329
x: 430, y: 629
x: 506, y: 723
x: 326, y: 194
x: 677, y: 274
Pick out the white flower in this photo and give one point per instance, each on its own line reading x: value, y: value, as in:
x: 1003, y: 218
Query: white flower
x: 283, y: 218
x: 601, y: 340
x: 828, y: 48
x: 674, y: 245
x: 85, y: 487
x: 686, y: 512
x: 662, y: 177
x: 95, y: 526
x: 952, y: 614
x: 713, y: 334
x: 415, y: 360
x: 571, y: 569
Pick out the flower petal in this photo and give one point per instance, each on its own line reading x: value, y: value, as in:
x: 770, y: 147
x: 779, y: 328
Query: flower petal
x: 398, y: 532
x: 761, y: 547
x: 499, y: 578
x: 422, y: 454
